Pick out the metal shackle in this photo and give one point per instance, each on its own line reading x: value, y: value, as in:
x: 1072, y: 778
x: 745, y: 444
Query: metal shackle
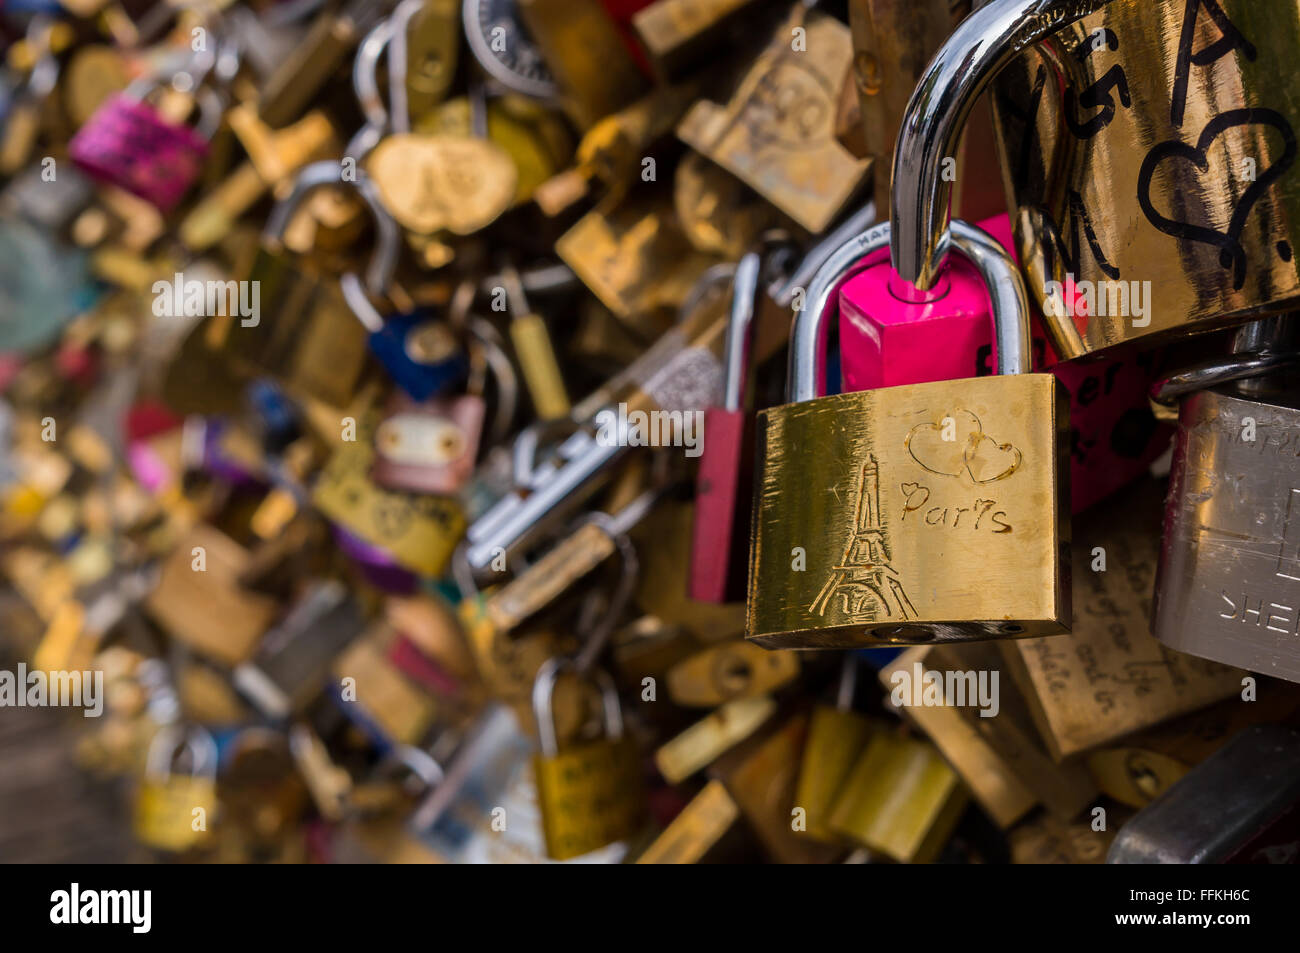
x: 983, y: 43
x: 197, y: 741
x: 318, y: 175
x: 544, y: 690
x: 747, y: 286
x: 1008, y: 298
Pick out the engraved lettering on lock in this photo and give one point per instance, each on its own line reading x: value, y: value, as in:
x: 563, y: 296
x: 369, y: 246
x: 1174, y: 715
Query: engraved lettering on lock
x: 1232, y: 254
x: 865, y: 583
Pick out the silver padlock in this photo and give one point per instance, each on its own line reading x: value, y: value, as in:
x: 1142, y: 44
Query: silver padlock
x: 1228, y: 583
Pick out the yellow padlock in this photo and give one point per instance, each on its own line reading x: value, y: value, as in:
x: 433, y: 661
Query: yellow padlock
x: 590, y: 795
x: 173, y: 811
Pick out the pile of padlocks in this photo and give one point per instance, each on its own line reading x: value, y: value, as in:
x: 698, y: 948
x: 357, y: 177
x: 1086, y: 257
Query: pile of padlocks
x: 436, y: 425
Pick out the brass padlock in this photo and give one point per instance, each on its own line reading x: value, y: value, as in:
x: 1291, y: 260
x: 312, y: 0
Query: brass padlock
x: 836, y: 738
x: 1149, y: 146
x: 909, y: 514
x: 900, y: 799
x: 590, y: 795
x: 173, y: 811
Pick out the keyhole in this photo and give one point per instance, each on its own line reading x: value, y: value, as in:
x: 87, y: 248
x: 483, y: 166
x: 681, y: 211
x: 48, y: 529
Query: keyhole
x: 1143, y: 778
x: 734, y: 675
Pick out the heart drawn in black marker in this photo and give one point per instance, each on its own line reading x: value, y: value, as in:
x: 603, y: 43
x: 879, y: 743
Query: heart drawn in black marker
x: 1231, y: 253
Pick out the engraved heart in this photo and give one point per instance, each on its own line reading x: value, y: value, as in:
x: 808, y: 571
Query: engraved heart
x: 926, y: 443
x: 988, y: 461
x: 1231, y: 253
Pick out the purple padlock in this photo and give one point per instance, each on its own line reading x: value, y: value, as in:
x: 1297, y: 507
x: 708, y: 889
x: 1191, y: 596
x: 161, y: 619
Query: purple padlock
x: 128, y: 144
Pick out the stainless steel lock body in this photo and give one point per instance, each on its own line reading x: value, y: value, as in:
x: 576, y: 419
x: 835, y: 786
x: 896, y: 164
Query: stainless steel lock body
x: 1228, y: 584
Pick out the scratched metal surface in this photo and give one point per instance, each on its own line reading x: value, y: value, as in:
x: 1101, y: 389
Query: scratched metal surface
x: 1169, y: 157
x: 1228, y: 586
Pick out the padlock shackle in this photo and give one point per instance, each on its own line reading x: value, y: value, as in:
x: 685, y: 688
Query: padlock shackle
x: 544, y: 690
x: 170, y: 739
x: 365, y: 83
x: 740, y: 324
x: 318, y: 175
x: 971, y: 58
x: 400, y: 21
x: 1007, y: 295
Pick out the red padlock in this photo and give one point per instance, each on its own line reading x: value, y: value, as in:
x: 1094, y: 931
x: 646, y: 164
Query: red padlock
x: 720, y: 532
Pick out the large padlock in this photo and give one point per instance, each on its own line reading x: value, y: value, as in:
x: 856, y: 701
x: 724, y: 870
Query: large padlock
x: 173, y: 811
x: 1229, y: 572
x: 1149, y: 148
x: 129, y: 143
x: 918, y: 513
x: 590, y: 795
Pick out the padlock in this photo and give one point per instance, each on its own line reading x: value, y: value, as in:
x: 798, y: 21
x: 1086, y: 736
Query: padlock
x: 429, y: 446
x: 836, y: 738
x: 941, y: 501
x: 174, y: 812
x: 696, y: 830
x: 727, y: 671
x: 579, y: 43
x: 679, y: 373
x: 900, y: 799
x: 534, y: 351
x: 1111, y: 678
x: 421, y: 355
x: 129, y: 143
x: 777, y: 133
x: 379, y: 698
x: 1130, y: 107
x: 700, y: 744
x: 293, y: 662
x: 1229, y: 564
x: 887, y: 334
x: 590, y: 794
x: 199, y: 599
x: 721, y: 495
x: 1263, y: 826
x: 761, y: 775
x: 983, y: 728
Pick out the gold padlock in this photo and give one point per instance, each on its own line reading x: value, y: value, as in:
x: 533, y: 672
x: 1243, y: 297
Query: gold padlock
x: 173, y: 811
x: 914, y: 513
x: 1150, y: 152
x: 901, y: 799
x: 836, y: 738
x: 590, y: 795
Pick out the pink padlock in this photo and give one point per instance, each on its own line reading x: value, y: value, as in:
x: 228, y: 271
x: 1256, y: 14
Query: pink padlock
x: 891, y: 333
x: 128, y: 144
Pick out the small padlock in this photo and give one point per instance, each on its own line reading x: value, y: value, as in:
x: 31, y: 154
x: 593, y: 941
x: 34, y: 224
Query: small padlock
x: 733, y: 669
x: 1229, y: 572
x: 429, y: 446
x: 722, y: 496
x: 590, y: 795
x: 173, y: 811
x: 836, y: 738
x: 908, y: 514
x: 128, y: 143
x: 901, y: 798
x: 536, y: 353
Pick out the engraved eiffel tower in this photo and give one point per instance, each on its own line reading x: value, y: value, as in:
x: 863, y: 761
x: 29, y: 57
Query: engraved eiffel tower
x: 865, y: 583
